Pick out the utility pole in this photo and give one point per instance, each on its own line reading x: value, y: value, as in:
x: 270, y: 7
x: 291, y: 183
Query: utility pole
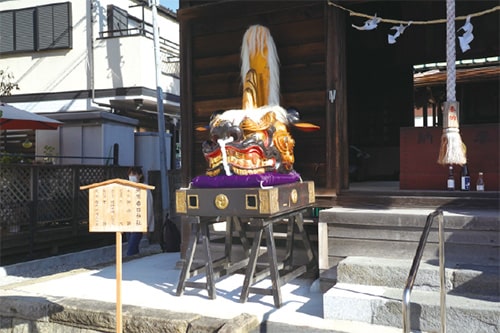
x: 165, y: 197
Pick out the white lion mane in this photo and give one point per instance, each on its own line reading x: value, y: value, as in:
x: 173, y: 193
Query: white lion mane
x: 236, y: 116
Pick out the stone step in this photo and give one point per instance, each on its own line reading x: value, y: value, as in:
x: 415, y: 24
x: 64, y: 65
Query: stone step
x: 477, y: 219
x: 393, y: 197
x: 383, y: 306
x: 471, y: 236
x: 460, y: 280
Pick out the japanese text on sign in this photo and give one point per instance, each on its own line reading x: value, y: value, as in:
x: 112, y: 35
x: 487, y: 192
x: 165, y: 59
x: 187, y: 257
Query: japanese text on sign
x: 117, y: 208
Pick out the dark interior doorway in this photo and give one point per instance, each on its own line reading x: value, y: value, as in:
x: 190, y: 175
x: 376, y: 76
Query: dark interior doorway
x: 380, y: 79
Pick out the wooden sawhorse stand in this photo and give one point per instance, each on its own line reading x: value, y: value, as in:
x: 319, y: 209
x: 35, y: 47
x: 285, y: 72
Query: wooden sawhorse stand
x: 212, y: 269
x: 273, y: 269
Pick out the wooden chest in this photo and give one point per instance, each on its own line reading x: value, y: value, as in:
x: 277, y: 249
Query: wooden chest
x: 245, y: 202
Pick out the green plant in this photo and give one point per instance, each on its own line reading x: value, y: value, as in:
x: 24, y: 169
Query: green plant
x: 6, y: 84
x: 49, y: 152
x: 7, y: 158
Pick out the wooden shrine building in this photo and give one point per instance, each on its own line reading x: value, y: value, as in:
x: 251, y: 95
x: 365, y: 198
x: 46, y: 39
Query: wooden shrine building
x: 361, y: 90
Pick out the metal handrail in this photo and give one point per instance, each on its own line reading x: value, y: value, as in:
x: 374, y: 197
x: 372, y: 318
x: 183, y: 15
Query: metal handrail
x: 414, y: 269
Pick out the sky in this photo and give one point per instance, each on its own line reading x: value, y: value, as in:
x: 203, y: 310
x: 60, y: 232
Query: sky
x: 172, y: 4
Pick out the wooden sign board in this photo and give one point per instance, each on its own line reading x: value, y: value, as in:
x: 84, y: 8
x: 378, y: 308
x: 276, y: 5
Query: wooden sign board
x: 118, y: 205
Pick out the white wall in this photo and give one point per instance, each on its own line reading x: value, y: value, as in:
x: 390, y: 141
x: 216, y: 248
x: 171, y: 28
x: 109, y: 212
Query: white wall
x: 89, y: 139
x: 55, y: 70
x: 147, y: 151
x: 118, y: 62
x: 124, y: 137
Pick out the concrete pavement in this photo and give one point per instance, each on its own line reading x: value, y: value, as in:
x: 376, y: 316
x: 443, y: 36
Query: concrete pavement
x: 66, y: 286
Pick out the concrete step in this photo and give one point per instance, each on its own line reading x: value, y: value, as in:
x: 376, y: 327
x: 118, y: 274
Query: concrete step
x: 383, y: 306
x: 370, y: 252
x: 472, y: 235
x: 480, y: 219
x: 473, y: 281
x: 396, y: 198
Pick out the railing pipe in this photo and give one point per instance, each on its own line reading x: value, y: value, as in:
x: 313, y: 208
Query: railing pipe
x: 414, y: 269
x: 442, y: 272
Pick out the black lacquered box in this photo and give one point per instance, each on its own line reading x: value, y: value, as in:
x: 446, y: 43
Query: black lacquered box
x: 245, y: 202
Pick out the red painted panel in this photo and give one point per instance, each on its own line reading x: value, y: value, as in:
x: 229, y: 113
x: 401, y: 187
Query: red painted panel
x: 419, y: 149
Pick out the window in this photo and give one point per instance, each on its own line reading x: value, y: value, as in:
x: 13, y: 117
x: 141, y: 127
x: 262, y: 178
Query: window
x: 36, y: 29
x: 54, y: 26
x: 24, y: 33
x: 6, y: 31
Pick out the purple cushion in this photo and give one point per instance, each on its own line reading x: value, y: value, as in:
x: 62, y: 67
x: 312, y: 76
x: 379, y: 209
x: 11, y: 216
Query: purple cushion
x: 265, y: 179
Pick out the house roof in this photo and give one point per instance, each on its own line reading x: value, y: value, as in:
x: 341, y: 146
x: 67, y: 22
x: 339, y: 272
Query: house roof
x: 462, y: 75
x: 162, y: 9
x: 102, y: 116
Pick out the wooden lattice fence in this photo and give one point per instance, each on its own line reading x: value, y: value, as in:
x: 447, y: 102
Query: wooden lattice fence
x: 43, y: 212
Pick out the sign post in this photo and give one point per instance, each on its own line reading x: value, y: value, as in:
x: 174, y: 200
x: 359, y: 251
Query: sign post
x: 119, y: 321
x: 118, y: 205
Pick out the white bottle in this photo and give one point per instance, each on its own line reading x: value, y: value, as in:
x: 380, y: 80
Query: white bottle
x: 450, y: 184
x: 480, y: 182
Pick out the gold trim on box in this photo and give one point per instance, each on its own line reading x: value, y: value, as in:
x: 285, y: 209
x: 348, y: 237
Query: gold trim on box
x: 194, y: 206
x: 263, y: 202
x: 312, y: 194
x: 294, y: 196
x: 274, y: 202
x: 180, y: 201
x: 249, y: 207
x: 268, y: 201
x: 221, y: 201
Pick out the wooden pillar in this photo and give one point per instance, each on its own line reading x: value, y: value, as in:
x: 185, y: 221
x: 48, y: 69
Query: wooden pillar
x: 187, y: 127
x: 337, y: 159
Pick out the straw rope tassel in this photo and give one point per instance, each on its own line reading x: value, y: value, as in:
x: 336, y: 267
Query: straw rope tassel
x: 452, y: 149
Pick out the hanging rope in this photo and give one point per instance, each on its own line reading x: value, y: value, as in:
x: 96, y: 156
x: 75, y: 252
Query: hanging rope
x: 452, y: 150
x: 450, y: 51
x: 413, y: 22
